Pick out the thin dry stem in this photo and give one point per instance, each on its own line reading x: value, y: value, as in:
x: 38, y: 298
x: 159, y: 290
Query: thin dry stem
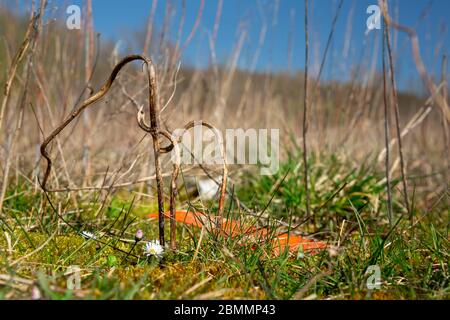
x: 397, y: 118
x: 387, y: 125
x: 305, y: 113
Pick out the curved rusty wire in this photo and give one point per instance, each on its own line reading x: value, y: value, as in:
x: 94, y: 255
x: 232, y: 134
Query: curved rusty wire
x: 176, y: 169
x: 189, y: 125
x: 223, y: 185
x: 154, y: 123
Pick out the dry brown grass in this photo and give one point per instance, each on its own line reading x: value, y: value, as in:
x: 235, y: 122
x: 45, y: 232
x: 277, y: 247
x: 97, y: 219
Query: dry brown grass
x: 346, y: 118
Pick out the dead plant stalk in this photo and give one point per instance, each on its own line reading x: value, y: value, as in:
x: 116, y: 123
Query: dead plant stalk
x: 155, y: 131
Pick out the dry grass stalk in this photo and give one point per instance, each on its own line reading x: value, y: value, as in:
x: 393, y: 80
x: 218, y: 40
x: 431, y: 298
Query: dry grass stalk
x: 15, y: 63
x: 88, y: 70
x: 387, y: 38
x: 196, y: 25
x: 444, y: 122
x: 149, y: 33
x: 34, y: 29
x: 305, y: 112
x: 426, y: 79
x: 387, y: 125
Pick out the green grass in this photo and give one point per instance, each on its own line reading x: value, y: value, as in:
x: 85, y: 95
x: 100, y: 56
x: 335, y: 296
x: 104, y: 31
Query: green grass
x: 337, y: 187
x: 413, y: 260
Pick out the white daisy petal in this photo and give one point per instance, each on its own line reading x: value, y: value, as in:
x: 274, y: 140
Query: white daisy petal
x: 153, y: 248
x: 88, y: 235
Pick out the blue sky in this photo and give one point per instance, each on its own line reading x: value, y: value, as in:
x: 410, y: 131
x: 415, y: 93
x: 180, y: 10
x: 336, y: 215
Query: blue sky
x: 113, y: 18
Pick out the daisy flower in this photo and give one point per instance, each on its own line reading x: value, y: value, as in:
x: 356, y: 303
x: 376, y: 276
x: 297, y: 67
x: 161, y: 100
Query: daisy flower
x: 153, y: 248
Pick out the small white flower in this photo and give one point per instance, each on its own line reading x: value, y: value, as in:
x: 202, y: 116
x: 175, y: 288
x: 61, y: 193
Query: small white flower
x: 153, y: 248
x: 88, y: 235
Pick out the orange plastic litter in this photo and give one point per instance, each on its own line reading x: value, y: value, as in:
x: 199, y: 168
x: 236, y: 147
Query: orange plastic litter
x: 280, y: 242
